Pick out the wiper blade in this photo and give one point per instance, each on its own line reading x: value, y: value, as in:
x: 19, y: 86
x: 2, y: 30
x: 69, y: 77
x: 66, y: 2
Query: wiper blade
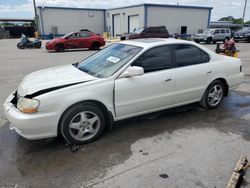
x: 75, y: 64
x: 83, y: 69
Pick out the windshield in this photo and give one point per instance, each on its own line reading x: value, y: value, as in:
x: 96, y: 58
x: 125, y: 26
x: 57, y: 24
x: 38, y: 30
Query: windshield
x: 138, y: 30
x: 208, y: 31
x: 67, y: 35
x: 246, y: 29
x: 109, y: 60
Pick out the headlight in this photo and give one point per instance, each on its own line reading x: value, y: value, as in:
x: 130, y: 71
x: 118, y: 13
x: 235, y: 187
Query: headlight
x: 26, y: 105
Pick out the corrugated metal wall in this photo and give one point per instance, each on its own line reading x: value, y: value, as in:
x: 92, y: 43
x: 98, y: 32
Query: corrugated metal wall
x: 69, y: 20
x: 174, y: 18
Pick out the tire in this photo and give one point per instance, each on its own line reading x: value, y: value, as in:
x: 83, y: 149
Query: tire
x: 20, y: 46
x: 248, y: 39
x: 197, y: 41
x: 209, y: 40
x: 212, y: 98
x: 82, y: 123
x: 60, y: 48
x: 95, y: 46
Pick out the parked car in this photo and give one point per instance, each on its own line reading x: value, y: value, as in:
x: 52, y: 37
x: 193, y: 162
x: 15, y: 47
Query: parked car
x: 147, y: 32
x: 124, y: 80
x: 243, y: 35
x: 212, y: 35
x: 81, y: 39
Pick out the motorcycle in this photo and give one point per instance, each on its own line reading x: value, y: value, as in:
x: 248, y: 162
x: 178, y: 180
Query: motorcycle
x: 26, y: 43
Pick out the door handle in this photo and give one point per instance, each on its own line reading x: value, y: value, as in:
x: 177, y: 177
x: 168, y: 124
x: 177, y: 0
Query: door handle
x: 209, y: 72
x: 167, y: 80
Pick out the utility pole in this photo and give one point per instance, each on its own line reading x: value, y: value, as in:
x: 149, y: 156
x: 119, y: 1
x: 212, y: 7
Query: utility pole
x: 244, y: 11
x: 36, y: 17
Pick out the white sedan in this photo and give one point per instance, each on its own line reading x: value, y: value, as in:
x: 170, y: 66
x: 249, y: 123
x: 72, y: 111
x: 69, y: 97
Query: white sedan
x: 124, y: 80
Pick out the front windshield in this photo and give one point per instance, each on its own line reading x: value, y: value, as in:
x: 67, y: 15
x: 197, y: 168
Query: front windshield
x: 109, y: 60
x: 246, y: 29
x: 67, y: 35
x: 138, y: 30
x: 208, y: 31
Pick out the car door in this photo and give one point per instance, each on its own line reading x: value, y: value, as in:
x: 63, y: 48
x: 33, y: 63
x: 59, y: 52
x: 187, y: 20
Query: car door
x: 216, y: 35
x: 152, y: 90
x: 193, y: 70
x: 84, y: 40
x: 73, y: 40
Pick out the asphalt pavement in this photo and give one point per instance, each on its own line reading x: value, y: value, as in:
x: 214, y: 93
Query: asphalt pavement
x: 182, y: 147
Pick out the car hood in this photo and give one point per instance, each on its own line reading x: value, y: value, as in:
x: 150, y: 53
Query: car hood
x: 56, y: 77
x: 55, y: 40
x: 240, y: 33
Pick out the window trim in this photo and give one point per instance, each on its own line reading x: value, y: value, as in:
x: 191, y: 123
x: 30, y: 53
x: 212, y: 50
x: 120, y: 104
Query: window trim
x: 171, y: 54
x: 174, y: 56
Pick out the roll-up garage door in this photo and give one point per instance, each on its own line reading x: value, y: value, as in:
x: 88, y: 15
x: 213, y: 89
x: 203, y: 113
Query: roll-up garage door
x: 133, y: 22
x: 116, y: 25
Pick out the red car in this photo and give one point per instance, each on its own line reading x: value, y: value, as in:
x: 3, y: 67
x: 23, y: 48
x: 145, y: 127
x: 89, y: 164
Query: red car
x: 81, y: 39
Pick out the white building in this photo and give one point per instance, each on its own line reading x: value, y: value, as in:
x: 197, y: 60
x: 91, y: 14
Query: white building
x: 60, y: 20
x: 117, y: 21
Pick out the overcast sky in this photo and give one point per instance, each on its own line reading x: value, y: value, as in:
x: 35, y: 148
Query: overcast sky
x: 24, y: 8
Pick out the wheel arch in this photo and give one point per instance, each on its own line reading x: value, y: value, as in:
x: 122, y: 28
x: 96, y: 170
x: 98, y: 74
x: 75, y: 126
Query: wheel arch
x: 107, y: 114
x: 224, y: 81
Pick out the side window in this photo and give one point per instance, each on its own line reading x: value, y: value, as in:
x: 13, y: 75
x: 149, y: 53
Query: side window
x: 227, y: 31
x: 73, y: 36
x: 216, y: 31
x: 223, y: 31
x: 157, y: 58
x: 84, y: 35
x: 186, y: 55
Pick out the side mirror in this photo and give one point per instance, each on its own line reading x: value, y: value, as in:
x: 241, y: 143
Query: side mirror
x: 132, y: 71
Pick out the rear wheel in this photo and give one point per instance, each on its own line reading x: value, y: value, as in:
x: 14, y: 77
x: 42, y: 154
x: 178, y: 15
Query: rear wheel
x: 83, y: 123
x: 213, y: 95
x: 95, y: 46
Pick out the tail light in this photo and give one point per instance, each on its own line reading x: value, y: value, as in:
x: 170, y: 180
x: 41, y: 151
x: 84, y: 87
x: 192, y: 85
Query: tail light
x: 241, y: 68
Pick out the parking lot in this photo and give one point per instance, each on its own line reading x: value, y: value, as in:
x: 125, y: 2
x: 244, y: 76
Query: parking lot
x: 181, y: 147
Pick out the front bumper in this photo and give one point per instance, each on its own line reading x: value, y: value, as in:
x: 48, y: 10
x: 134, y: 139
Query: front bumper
x: 49, y: 47
x: 199, y: 39
x: 31, y: 126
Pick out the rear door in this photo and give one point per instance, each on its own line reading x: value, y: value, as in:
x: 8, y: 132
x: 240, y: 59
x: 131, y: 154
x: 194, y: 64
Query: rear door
x: 193, y: 70
x: 153, y: 90
x: 85, y: 40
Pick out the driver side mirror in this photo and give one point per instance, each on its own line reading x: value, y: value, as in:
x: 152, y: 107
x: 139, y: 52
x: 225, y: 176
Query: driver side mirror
x: 132, y: 71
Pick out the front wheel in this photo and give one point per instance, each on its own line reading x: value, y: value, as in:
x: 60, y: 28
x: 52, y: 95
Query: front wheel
x: 83, y: 123
x: 213, y: 95
x: 20, y: 46
x: 209, y: 40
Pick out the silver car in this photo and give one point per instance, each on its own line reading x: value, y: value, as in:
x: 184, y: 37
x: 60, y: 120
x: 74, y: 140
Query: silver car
x: 212, y: 35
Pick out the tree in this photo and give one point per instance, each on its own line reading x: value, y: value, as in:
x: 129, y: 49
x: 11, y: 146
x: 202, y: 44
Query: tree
x: 232, y: 19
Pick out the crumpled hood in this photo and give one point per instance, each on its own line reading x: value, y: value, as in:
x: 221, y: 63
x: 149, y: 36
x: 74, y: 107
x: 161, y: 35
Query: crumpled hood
x: 52, y: 77
x: 54, y: 40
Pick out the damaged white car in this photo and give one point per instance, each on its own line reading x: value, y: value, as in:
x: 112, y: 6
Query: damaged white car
x: 124, y: 80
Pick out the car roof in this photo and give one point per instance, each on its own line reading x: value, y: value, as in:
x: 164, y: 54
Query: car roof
x: 151, y: 42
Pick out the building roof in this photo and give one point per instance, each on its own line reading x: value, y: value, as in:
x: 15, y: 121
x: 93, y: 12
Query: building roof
x: 162, y: 5
x: 69, y: 8
x: 131, y: 6
x: 224, y: 24
x: 16, y: 20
